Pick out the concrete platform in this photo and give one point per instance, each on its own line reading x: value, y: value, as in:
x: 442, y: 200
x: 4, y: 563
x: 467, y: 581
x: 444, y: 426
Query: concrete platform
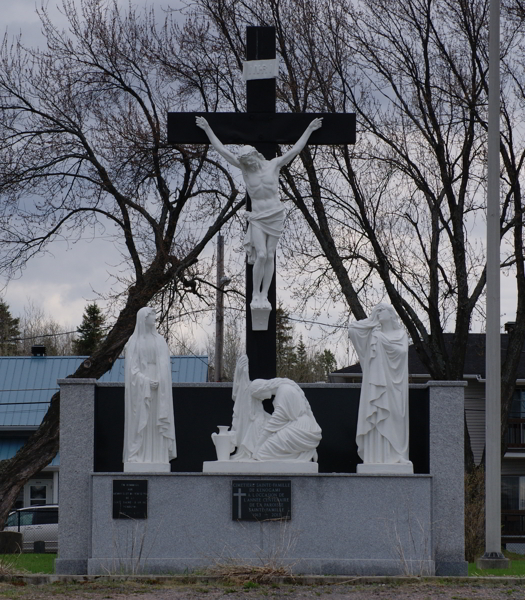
x: 135, y: 467
x: 258, y: 466
x: 385, y: 469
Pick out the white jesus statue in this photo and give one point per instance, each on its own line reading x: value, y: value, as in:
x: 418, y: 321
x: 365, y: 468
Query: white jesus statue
x: 265, y: 221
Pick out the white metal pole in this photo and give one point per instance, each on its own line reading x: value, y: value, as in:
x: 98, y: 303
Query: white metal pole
x: 493, y: 556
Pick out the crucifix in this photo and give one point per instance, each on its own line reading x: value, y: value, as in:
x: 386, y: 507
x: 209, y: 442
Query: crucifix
x: 262, y: 128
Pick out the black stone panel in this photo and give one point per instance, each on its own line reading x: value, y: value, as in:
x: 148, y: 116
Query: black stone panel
x: 261, y: 500
x: 198, y: 411
x: 130, y: 498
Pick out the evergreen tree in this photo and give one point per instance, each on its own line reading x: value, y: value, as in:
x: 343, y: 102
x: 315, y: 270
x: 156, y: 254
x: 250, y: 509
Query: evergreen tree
x: 297, y: 361
x: 9, y: 329
x: 303, y: 369
x: 286, y: 357
x: 325, y: 364
x: 91, y: 331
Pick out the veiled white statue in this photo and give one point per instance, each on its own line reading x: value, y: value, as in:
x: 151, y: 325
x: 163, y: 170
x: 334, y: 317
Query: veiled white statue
x: 149, y: 426
x: 265, y: 221
x: 286, y: 439
x: 382, y: 428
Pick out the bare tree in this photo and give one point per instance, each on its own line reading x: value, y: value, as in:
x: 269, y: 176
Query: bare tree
x: 39, y: 328
x: 83, y: 146
x: 402, y: 212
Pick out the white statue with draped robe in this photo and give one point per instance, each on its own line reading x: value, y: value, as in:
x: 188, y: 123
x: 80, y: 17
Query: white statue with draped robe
x: 266, y: 219
x: 285, y: 441
x: 149, y: 424
x: 382, y: 428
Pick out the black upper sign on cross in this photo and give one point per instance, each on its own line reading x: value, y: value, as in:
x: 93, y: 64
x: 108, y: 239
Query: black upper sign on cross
x: 263, y: 128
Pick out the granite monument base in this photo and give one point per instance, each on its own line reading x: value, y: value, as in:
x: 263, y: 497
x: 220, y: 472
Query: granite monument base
x: 339, y: 524
x: 495, y: 560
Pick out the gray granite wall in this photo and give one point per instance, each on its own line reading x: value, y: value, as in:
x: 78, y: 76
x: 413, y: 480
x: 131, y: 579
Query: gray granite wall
x: 77, y: 405
x: 447, y: 470
x: 341, y: 524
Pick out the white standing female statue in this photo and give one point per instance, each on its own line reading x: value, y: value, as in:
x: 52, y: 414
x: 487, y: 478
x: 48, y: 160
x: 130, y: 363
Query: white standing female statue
x: 290, y: 433
x: 265, y: 221
x: 382, y: 427
x: 149, y: 426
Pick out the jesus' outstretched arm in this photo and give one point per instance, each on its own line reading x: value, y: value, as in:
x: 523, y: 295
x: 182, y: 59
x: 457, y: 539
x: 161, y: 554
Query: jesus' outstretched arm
x: 299, y: 145
x: 216, y: 143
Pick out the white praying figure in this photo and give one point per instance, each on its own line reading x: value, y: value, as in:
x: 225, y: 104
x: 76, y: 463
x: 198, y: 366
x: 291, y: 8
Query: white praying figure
x: 149, y: 426
x: 382, y: 427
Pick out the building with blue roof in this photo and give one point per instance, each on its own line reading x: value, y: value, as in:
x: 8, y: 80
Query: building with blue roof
x: 27, y: 384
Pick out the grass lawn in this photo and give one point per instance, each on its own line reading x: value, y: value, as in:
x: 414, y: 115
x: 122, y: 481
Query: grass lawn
x: 32, y: 563
x: 517, y: 567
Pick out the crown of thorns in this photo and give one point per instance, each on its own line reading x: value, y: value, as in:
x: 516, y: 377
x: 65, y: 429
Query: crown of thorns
x: 249, y: 151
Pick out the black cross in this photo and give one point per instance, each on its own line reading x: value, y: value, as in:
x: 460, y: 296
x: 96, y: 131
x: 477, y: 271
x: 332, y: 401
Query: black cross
x: 263, y: 128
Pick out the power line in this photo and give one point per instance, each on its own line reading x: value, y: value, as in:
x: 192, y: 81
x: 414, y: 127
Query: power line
x: 317, y: 323
x: 295, y: 319
x: 37, y: 337
x: 191, y: 353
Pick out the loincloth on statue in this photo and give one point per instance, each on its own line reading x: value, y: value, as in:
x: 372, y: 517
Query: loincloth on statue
x: 269, y: 221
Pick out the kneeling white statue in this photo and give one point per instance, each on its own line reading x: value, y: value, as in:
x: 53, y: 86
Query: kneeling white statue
x: 149, y: 424
x: 382, y: 426
x: 285, y: 441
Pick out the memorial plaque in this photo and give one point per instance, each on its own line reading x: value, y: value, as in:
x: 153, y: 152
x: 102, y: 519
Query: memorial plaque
x: 261, y: 500
x: 130, y: 498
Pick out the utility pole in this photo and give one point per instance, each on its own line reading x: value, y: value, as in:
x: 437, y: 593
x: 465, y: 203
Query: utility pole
x: 493, y: 557
x: 219, y: 308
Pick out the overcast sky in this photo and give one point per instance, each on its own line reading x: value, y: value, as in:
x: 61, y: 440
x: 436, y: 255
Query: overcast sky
x: 60, y: 282
x: 63, y: 281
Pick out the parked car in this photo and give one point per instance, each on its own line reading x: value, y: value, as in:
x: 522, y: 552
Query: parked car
x: 37, y: 524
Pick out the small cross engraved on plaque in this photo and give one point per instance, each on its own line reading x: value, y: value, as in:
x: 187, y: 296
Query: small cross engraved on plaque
x: 239, y: 495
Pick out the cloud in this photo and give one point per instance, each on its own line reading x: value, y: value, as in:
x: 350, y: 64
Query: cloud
x: 63, y: 281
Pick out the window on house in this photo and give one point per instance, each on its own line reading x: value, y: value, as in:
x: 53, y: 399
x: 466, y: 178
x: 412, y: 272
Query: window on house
x: 512, y: 493
x: 37, y: 495
x: 517, y: 409
x: 516, y: 429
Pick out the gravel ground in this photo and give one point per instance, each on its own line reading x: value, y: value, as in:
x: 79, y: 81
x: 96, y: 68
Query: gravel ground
x: 152, y: 590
